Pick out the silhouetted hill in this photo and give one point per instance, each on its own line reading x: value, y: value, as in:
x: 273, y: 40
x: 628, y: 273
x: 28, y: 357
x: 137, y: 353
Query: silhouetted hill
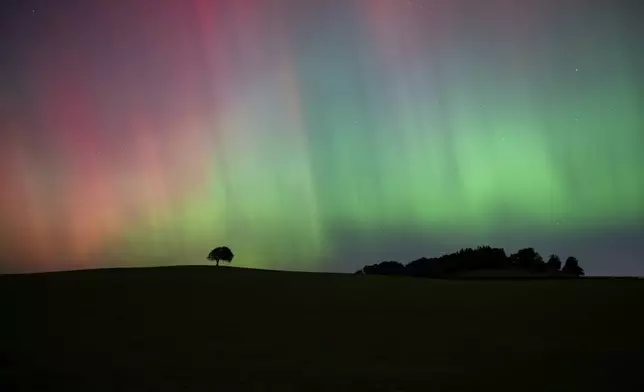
x: 209, y: 328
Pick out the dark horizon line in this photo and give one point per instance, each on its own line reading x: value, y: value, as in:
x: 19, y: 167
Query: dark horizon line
x: 100, y: 269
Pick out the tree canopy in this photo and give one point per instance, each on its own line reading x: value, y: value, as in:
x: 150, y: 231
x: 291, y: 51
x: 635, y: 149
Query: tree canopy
x: 571, y: 267
x: 222, y: 253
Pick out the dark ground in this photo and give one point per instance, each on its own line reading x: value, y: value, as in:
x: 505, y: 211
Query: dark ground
x: 227, y: 329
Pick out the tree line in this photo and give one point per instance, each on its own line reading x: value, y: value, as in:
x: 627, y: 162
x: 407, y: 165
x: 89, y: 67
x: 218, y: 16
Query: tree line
x: 466, y: 261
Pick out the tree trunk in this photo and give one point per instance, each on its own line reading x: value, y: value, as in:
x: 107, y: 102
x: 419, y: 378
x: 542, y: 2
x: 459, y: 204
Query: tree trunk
x: 217, y: 261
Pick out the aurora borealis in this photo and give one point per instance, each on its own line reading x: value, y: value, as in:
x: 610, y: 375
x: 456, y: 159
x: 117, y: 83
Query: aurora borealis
x: 319, y: 135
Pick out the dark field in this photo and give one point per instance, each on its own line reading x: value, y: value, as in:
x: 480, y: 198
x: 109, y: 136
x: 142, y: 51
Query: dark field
x: 227, y: 329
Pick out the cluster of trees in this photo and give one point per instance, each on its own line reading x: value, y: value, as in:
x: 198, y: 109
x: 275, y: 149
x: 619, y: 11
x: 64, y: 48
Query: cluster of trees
x: 482, y: 258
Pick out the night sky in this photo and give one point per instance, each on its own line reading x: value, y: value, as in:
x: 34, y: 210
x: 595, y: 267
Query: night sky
x: 319, y: 135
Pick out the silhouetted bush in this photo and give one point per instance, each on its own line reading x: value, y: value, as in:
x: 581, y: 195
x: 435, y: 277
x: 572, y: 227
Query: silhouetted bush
x: 385, y: 268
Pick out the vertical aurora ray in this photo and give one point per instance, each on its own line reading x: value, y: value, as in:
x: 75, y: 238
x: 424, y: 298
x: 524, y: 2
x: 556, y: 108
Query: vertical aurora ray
x: 145, y: 133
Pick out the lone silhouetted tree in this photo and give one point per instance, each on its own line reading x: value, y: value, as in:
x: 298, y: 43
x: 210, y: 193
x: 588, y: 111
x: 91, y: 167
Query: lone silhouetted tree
x: 222, y: 253
x: 554, y: 263
x: 571, y: 267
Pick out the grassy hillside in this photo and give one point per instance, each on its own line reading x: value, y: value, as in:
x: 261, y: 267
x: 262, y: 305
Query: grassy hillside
x: 207, y: 329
